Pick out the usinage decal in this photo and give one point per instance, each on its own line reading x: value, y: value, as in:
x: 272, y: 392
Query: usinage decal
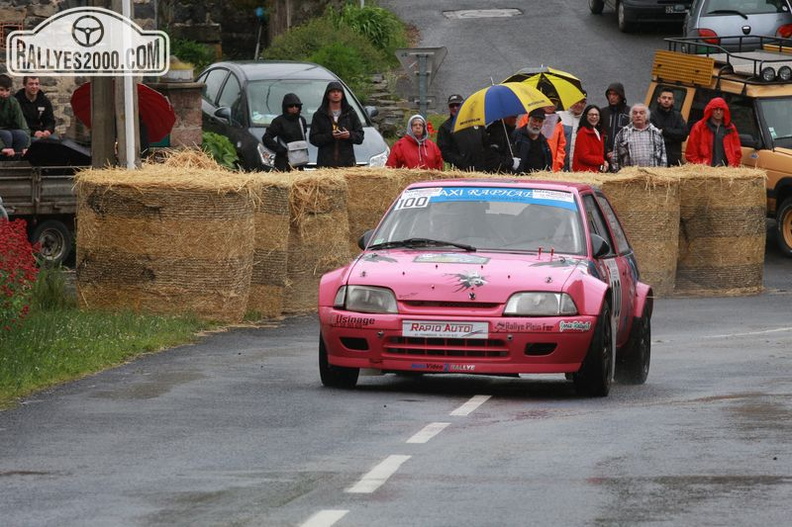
x: 347, y: 321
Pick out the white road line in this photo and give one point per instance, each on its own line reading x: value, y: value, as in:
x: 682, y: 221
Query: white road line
x: 428, y: 432
x: 324, y: 518
x: 378, y: 475
x: 747, y: 334
x: 472, y: 404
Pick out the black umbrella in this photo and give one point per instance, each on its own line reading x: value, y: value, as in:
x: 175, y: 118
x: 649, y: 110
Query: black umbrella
x: 57, y: 153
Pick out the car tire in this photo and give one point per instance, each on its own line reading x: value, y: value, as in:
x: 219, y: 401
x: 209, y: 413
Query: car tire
x: 55, y: 241
x: 621, y: 17
x: 633, y: 367
x: 784, y: 227
x: 594, y: 377
x: 335, y: 376
x: 596, y: 6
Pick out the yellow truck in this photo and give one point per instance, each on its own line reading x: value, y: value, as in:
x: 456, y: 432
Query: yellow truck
x: 756, y: 82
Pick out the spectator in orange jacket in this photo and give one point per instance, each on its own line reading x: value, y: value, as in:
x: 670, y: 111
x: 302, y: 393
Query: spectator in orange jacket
x: 714, y: 140
x: 415, y: 150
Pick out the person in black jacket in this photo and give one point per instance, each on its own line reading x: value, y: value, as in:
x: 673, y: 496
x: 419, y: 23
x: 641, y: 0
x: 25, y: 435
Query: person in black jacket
x: 530, y: 146
x: 36, y: 108
x: 499, y: 134
x: 335, y: 129
x: 285, y: 128
x: 672, y: 124
x: 465, y: 149
x: 614, y: 117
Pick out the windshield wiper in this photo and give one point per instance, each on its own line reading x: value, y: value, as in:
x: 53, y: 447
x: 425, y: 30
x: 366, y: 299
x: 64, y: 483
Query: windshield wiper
x: 419, y: 242
x: 728, y: 12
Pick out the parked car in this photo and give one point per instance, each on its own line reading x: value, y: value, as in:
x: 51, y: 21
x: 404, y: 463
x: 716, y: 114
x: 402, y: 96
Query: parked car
x: 630, y: 13
x: 241, y: 98
x: 757, y: 86
x: 738, y: 20
x: 492, y: 277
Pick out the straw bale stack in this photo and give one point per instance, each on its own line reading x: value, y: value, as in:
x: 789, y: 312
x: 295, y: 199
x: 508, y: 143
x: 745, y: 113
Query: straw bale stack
x: 371, y: 192
x: 165, y: 241
x: 722, y: 231
x: 647, y: 203
x: 271, y: 246
x: 318, y: 235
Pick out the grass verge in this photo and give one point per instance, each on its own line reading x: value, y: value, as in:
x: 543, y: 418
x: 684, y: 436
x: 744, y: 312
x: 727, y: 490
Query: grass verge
x: 53, y: 346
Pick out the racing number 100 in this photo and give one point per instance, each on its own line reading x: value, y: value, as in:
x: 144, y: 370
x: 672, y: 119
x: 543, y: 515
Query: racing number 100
x: 418, y: 202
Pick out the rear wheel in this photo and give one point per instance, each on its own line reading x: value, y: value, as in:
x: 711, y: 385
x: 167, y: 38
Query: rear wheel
x: 335, y: 376
x: 784, y: 226
x: 633, y: 368
x: 594, y: 377
x: 596, y: 6
x: 624, y: 25
x: 55, y: 241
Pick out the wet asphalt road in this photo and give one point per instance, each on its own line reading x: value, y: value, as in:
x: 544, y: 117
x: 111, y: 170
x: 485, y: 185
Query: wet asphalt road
x: 237, y: 430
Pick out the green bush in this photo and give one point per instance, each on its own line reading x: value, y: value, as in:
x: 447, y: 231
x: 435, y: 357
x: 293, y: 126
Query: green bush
x: 220, y: 148
x: 346, y: 63
x: 197, y: 54
x: 381, y: 28
x: 50, y: 289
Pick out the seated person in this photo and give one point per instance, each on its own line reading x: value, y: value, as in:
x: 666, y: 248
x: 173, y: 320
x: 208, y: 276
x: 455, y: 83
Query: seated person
x: 14, y: 132
x: 36, y: 108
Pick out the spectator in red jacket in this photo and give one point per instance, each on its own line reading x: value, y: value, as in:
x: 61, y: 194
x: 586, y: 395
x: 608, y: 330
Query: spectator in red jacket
x: 415, y: 150
x: 589, y: 154
x: 714, y: 140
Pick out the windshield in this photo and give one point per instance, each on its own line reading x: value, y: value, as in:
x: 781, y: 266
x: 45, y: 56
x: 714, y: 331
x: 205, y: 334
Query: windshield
x: 778, y: 117
x: 486, y: 218
x: 265, y: 98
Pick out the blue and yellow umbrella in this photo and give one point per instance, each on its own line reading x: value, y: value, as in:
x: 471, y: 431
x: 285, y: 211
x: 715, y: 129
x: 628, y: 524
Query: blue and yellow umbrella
x: 499, y: 101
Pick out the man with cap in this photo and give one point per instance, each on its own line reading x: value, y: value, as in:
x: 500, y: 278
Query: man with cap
x: 530, y: 146
x: 464, y: 149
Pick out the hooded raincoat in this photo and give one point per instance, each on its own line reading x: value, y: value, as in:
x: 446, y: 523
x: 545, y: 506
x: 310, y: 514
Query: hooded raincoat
x: 412, y: 152
x: 711, y: 144
x: 614, y: 118
x: 284, y: 129
x: 335, y: 152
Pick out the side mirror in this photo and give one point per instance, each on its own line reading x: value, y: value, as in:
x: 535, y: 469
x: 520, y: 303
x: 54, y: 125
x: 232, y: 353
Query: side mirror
x: 223, y: 113
x: 748, y: 141
x: 599, y: 246
x: 372, y: 111
x: 364, y: 240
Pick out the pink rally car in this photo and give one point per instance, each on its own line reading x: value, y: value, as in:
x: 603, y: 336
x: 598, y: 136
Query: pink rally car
x: 493, y: 277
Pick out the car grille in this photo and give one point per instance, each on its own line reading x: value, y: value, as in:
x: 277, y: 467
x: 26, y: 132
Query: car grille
x: 441, y: 347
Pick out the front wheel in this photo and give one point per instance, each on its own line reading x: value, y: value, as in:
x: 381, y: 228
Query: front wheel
x: 55, y: 241
x: 596, y: 6
x: 594, y: 377
x: 784, y: 227
x: 335, y: 376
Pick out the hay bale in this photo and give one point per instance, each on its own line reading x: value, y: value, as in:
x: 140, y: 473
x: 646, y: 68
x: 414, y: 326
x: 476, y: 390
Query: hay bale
x: 371, y: 192
x: 271, y: 245
x: 165, y: 241
x: 318, y: 235
x: 722, y: 231
x: 647, y: 204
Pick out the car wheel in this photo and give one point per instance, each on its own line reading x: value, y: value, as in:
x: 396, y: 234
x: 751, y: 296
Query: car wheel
x: 784, y: 226
x: 596, y: 6
x: 594, y: 377
x: 55, y: 241
x: 633, y: 368
x: 621, y: 16
x: 335, y: 376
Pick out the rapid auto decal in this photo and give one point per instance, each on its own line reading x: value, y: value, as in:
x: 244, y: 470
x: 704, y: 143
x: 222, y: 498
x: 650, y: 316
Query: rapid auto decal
x: 468, y: 280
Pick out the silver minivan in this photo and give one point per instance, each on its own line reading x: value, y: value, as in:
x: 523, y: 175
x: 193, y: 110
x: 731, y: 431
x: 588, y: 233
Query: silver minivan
x: 740, y: 20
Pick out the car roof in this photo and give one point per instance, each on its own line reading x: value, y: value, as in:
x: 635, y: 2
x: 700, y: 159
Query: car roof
x: 565, y: 186
x: 268, y: 69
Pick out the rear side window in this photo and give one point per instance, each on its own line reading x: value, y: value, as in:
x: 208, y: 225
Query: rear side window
x: 213, y: 81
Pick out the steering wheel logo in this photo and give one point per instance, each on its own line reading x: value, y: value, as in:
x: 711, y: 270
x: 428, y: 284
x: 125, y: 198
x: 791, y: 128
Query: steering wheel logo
x: 88, y: 31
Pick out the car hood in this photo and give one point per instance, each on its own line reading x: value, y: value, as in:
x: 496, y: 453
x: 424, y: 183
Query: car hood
x: 449, y: 276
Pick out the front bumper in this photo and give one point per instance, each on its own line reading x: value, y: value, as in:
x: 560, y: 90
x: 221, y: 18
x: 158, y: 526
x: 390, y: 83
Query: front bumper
x: 510, y: 346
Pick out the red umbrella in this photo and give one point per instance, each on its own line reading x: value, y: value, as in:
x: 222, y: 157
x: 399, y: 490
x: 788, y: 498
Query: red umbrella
x: 154, y: 108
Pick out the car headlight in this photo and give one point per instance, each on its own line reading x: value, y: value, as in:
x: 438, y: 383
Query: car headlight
x: 365, y: 299
x: 538, y: 304
x: 379, y: 160
x: 267, y: 157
